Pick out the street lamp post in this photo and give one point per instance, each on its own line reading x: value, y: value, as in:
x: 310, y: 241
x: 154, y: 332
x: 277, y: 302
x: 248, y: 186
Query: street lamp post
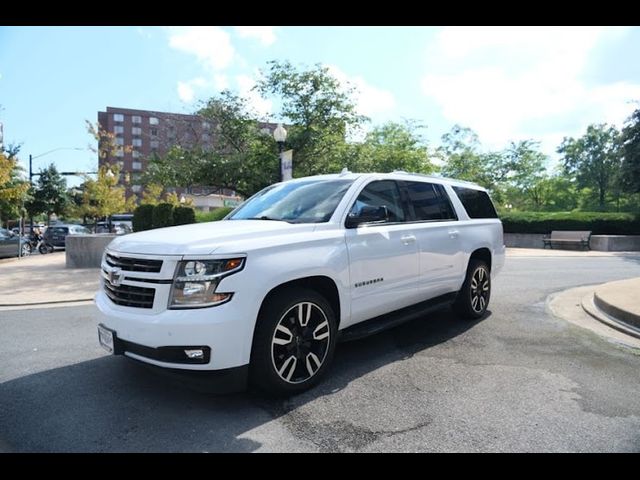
x: 280, y: 135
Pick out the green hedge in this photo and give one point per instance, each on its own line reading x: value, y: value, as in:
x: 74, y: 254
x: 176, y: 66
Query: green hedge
x: 598, y: 222
x: 213, y: 215
x: 183, y: 216
x: 142, y: 218
x: 162, y: 215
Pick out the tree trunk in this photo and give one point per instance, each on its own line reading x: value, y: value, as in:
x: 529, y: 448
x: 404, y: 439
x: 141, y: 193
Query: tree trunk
x: 601, y: 199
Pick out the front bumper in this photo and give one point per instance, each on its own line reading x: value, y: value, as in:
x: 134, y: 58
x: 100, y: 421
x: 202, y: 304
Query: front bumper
x: 145, y: 336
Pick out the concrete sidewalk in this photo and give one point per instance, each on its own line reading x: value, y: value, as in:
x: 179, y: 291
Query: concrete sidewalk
x: 44, y: 280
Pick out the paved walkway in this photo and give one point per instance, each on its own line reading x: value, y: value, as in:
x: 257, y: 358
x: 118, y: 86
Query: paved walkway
x: 44, y: 280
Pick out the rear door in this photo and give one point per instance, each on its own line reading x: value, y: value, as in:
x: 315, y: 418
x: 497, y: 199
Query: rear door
x: 383, y: 261
x: 435, y: 225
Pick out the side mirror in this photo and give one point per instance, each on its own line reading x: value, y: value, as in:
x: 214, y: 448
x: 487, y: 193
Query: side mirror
x: 367, y: 214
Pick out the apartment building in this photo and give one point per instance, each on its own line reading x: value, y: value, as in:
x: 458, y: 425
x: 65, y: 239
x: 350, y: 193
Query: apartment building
x: 149, y: 132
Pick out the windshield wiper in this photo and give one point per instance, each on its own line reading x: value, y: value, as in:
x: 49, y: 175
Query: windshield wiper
x: 264, y: 217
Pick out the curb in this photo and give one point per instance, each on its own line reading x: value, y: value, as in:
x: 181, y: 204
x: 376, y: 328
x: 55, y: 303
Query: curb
x: 591, y: 306
x: 53, y: 302
x: 618, y: 313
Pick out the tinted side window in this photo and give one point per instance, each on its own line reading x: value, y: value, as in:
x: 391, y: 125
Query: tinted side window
x: 429, y: 201
x: 378, y: 194
x: 476, y: 202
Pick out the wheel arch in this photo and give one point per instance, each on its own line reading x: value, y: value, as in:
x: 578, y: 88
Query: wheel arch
x: 322, y: 284
x: 483, y: 254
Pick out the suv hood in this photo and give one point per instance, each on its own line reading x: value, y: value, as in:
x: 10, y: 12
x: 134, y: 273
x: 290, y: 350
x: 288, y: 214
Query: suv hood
x: 204, y: 238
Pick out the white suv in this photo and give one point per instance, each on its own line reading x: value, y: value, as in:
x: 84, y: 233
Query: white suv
x: 265, y: 294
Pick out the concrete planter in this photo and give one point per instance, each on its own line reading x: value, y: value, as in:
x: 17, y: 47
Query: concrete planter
x: 85, y: 251
x: 523, y: 240
x: 615, y: 243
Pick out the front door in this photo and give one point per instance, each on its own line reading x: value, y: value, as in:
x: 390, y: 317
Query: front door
x: 383, y: 257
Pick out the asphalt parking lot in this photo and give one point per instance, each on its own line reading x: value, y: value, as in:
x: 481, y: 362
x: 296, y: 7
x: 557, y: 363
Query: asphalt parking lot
x: 519, y: 380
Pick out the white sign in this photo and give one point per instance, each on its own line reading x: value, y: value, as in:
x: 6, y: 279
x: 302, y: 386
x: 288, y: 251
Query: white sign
x: 287, y: 165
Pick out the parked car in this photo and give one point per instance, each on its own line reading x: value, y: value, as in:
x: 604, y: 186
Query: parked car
x: 115, y: 227
x: 9, y: 242
x: 266, y: 293
x: 56, y: 234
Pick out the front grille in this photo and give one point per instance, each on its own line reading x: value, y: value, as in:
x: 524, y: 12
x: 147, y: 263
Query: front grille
x: 134, y: 264
x: 129, y: 296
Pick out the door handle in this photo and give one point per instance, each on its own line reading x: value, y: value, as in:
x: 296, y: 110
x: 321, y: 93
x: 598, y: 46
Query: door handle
x: 407, y: 239
x: 453, y: 233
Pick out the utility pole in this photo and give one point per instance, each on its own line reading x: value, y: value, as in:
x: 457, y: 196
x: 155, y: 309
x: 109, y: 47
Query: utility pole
x: 31, y: 186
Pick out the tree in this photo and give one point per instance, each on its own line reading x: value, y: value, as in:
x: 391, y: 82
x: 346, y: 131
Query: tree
x: 593, y: 159
x: 152, y: 194
x: 392, y: 146
x: 630, y: 169
x: 50, y: 194
x: 461, y: 158
x: 243, y: 158
x: 13, y: 189
x: 102, y: 197
x: 319, y: 110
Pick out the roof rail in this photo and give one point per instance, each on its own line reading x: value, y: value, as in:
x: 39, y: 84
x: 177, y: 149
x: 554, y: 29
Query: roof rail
x: 440, y: 177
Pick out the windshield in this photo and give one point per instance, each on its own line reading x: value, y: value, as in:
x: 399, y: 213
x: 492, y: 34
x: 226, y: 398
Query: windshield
x: 311, y: 201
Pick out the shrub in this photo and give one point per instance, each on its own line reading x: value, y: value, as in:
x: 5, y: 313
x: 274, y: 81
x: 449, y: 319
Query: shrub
x: 142, y: 218
x: 599, y: 223
x: 213, y: 215
x: 162, y: 215
x: 183, y: 215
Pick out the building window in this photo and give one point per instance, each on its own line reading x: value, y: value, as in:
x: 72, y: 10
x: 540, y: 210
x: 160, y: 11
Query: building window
x: 136, y: 165
x: 118, y: 117
x: 206, y: 125
x: 206, y: 137
x: 136, y: 131
x: 154, y: 132
x: 118, y: 129
x: 137, y: 142
x: 136, y: 154
x: 154, y: 143
x: 136, y: 188
x: 153, y: 121
x: 119, y: 141
x: 136, y: 119
x: 120, y: 153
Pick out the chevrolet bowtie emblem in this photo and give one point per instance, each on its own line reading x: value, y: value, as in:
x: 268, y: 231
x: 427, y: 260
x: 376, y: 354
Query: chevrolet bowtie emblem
x: 115, y: 276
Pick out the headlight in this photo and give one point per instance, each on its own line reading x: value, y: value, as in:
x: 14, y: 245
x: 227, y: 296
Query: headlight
x: 195, y: 282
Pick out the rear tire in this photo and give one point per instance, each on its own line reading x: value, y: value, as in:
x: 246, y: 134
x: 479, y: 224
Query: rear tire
x: 293, y: 343
x: 473, y: 298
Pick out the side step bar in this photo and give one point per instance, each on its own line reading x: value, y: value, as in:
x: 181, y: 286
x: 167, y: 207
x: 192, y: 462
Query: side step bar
x: 393, y: 319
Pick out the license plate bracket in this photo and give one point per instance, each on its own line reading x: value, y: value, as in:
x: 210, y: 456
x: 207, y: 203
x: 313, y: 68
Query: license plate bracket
x: 107, y: 338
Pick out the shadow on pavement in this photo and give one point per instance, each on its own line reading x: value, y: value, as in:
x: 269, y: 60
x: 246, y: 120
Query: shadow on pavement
x: 114, y: 404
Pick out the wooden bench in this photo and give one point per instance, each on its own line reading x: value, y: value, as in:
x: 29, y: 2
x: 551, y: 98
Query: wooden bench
x: 567, y: 237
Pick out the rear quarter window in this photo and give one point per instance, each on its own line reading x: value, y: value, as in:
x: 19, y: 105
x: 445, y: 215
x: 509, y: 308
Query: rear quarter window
x: 476, y: 202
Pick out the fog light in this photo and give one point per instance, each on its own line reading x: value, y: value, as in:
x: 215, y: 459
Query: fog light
x: 195, y: 354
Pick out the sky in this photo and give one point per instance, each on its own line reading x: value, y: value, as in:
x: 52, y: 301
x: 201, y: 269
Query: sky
x: 505, y: 83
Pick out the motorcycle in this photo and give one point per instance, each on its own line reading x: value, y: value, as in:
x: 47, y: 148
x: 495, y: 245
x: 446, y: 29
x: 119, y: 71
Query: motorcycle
x: 40, y: 244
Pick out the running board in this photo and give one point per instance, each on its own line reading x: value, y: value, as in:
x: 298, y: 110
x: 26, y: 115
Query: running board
x: 393, y: 319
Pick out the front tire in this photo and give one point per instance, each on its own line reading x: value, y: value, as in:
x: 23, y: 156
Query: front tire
x: 294, y: 342
x: 473, y: 298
